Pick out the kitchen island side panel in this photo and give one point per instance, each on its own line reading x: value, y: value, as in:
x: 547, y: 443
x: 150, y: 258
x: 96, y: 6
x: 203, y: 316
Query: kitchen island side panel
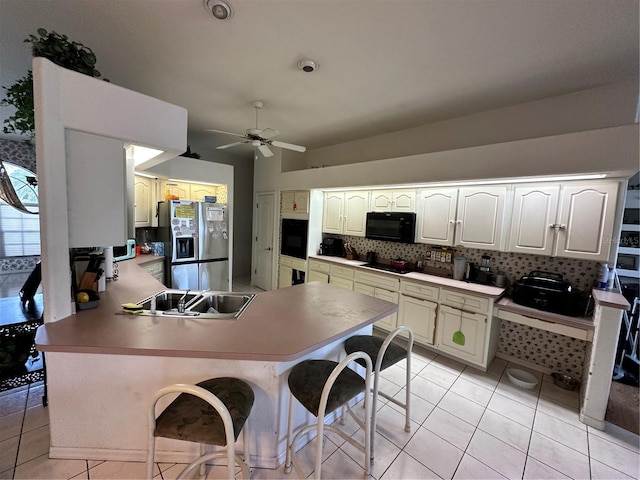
x: 98, y: 403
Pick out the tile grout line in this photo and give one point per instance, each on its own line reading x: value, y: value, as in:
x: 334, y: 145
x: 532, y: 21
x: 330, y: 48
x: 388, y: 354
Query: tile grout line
x: 24, y: 415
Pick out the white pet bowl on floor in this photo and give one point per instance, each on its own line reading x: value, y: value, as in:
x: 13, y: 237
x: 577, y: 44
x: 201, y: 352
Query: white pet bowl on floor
x: 522, y: 379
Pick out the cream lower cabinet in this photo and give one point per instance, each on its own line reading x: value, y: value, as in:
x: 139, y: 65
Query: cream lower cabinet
x: 341, y: 276
x: 417, y: 309
x: 318, y: 271
x: 156, y: 269
x: 420, y: 315
x: 379, y: 286
x: 473, y: 326
x: 286, y: 268
x: 471, y: 315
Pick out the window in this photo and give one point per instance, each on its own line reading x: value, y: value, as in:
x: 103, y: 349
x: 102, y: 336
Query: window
x: 20, y: 232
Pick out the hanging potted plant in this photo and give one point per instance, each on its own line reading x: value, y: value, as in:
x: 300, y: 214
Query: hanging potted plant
x: 61, y: 51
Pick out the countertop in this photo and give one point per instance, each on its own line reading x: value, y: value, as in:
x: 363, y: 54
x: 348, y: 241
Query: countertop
x: 508, y: 305
x: 146, y: 259
x: 468, y: 287
x: 278, y: 325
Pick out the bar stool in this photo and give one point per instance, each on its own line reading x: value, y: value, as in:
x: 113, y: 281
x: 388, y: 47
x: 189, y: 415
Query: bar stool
x: 323, y: 386
x: 211, y: 412
x: 384, y: 354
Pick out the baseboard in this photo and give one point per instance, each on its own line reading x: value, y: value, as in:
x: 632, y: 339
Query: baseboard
x: 524, y: 363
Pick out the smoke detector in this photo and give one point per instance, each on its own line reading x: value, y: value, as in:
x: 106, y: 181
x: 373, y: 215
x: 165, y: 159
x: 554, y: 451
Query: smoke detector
x: 219, y: 9
x: 308, y: 65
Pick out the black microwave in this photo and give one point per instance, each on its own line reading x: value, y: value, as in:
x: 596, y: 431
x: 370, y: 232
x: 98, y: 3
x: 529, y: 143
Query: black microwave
x: 294, y: 238
x: 391, y: 226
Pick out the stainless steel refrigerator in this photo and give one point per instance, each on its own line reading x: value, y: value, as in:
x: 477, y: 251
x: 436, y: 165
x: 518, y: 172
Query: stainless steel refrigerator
x: 196, y: 238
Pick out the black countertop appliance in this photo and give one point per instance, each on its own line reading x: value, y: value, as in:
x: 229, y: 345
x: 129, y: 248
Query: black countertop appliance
x: 332, y: 247
x: 548, y: 291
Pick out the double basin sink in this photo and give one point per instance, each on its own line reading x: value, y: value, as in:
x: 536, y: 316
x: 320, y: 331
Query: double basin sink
x: 199, y: 304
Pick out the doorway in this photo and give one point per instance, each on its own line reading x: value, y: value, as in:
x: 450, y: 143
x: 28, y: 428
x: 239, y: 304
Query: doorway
x: 263, y: 246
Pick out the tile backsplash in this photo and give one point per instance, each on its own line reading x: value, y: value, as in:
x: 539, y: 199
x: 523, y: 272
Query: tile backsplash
x: 581, y: 273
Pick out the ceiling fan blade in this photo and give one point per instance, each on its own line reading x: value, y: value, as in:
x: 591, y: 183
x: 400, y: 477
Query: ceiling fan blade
x: 226, y: 133
x: 222, y: 147
x: 269, y: 133
x: 289, y: 146
x: 265, y: 151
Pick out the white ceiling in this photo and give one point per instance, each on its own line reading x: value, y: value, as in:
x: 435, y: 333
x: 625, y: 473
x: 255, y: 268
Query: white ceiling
x: 384, y: 65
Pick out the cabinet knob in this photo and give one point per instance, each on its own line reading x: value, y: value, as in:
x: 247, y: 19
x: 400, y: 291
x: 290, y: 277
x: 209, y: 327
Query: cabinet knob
x: 451, y: 222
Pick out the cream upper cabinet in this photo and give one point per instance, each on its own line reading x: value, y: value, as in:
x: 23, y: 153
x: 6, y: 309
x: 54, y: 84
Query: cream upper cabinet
x: 332, y: 214
x: 480, y: 216
x: 178, y: 189
x: 356, y: 205
x: 573, y: 221
x: 144, y: 193
x: 345, y: 212
x: 187, y: 191
x: 393, y: 201
x: 198, y: 192
x: 295, y: 201
x: 585, y: 220
x: 534, y: 212
x: 437, y: 216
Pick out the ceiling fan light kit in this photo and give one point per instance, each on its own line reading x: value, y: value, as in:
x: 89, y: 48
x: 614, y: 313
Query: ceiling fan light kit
x: 219, y: 9
x: 260, y: 139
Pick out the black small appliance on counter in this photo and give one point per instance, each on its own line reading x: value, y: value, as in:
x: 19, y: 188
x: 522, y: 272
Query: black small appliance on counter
x: 550, y: 292
x: 332, y: 247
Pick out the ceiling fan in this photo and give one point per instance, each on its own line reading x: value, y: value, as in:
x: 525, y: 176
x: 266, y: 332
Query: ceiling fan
x: 261, y: 139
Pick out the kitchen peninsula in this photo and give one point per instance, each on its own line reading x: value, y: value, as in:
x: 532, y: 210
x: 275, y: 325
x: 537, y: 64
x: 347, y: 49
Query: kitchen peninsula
x: 110, y: 364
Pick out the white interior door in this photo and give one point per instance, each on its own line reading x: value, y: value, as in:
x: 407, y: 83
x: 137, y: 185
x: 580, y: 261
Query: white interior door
x: 263, y: 251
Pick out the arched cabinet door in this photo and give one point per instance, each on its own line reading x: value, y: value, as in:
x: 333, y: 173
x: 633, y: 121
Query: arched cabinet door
x: 534, y: 213
x: 585, y: 221
x: 480, y: 217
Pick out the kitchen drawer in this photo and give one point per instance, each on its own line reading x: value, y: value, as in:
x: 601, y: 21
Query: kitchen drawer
x: 365, y: 289
x: 386, y: 295
x: 382, y: 281
x: 154, y: 268
x: 317, y: 266
x: 294, y: 263
x: 342, y: 272
x: 341, y: 282
x: 463, y: 301
x: 314, y: 276
x: 420, y: 290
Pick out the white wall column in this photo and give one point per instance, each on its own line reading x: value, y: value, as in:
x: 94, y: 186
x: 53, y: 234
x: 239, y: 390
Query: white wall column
x: 607, y: 318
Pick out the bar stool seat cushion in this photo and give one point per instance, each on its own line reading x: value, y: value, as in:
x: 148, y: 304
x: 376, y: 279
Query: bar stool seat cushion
x: 192, y: 419
x: 371, y: 346
x: 307, y: 379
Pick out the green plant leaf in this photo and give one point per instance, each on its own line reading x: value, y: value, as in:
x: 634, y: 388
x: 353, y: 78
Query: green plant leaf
x: 57, y: 48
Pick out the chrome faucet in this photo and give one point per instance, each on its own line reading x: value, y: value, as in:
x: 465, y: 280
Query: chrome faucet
x: 182, y: 302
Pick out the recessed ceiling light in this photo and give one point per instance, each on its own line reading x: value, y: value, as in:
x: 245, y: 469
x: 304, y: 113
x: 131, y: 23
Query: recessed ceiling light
x: 219, y: 9
x: 308, y: 65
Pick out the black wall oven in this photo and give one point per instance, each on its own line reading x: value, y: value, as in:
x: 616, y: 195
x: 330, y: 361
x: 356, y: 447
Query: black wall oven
x: 294, y: 238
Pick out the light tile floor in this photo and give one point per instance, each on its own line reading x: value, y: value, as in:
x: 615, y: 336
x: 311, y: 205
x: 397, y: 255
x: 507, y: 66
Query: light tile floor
x: 466, y: 424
